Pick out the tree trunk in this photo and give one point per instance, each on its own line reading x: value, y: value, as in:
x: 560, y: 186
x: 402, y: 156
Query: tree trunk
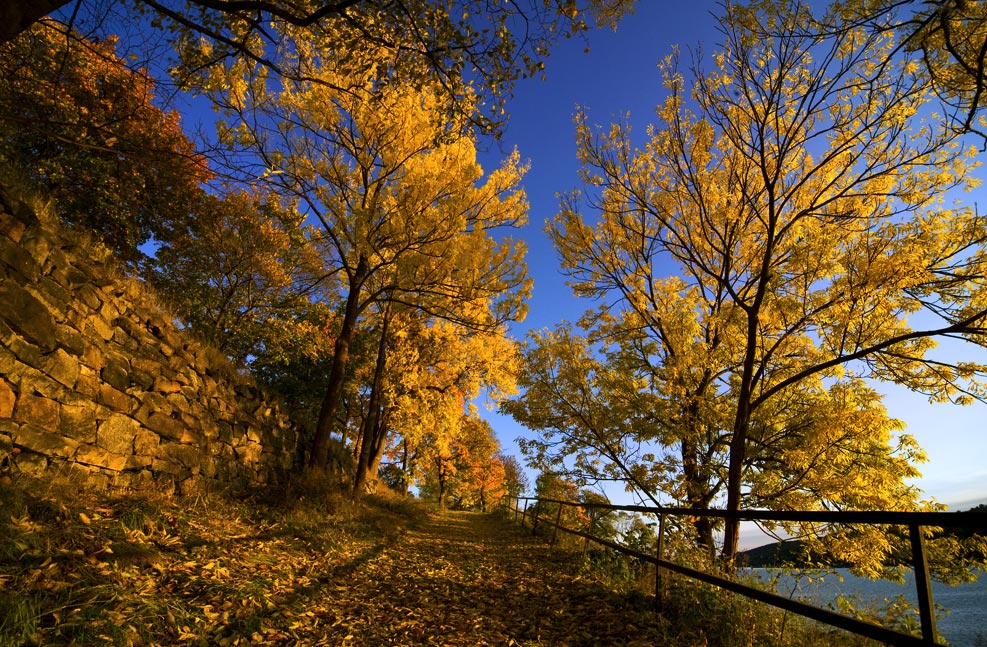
x: 372, y: 446
x: 337, y: 372
x: 18, y: 15
x: 738, y: 447
x: 441, y: 476
x: 731, y: 535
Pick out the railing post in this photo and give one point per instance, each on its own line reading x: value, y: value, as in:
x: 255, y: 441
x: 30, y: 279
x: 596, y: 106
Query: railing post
x: 534, y: 519
x: 659, y: 553
x: 524, y: 514
x: 924, y: 585
x: 558, y: 521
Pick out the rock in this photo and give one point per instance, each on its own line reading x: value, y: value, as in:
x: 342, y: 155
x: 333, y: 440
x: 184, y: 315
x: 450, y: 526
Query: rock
x: 28, y: 316
x: 100, y: 457
x: 115, y: 400
x: 146, y: 443
x: 166, y: 426
x: 7, y: 399
x: 78, y: 421
x: 116, y: 372
x: 117, y: 433
x: 34, y: 410
x: 62, y: 367
x: 42, y: 441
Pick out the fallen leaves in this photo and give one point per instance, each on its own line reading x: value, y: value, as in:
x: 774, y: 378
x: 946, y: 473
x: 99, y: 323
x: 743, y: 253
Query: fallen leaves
x: 152, y: 572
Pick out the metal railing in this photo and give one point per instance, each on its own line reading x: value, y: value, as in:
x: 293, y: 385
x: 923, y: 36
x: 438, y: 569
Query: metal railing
x: 913, y: 520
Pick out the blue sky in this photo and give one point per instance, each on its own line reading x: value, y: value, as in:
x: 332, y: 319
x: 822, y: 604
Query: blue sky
x: 620, y: 75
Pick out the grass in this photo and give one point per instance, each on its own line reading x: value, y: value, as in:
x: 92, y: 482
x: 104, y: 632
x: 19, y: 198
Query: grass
x: 138, y: 568
x: 699, y: 614
x: 144, y: 569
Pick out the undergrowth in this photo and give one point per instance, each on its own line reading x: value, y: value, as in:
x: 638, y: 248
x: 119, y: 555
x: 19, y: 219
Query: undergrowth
x: 80, y: 567
x: 694, y: 613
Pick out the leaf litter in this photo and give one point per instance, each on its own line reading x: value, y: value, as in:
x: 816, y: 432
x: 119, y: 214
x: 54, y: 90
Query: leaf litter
x: 142, y: 570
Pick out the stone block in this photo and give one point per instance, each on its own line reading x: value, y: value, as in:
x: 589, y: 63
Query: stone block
x: 19, y: 260
x: 95, y: 355
x: 114, y: 399
x: 179, y: 402
x: 164, y: 385
x: 100, y: 457
x: 116, y: 434
x: 74, y: 278
x: 99, y: 326
x: 145, y: 365
x: 87, y: 295
x: 248, y: 453
x: 56, y: 298
x: 62, y: 367
x: 42, y: 441
x: 27, y: 316
x: 187, y: 456
x: 70, y: 339
x: 11, y: 227
x: 9, y: 364
x: 116, y: 372
x: 78, y: 421
x: 37, y: 243
x: 7, y: 399
x: 192, y: 436
x: 159, y: 466
x: 26, y: 352
x: 142, y: 379
x: 137, y: 463
x: 35, y: 381
x: 146, y: 443
x: 109, y: 311
x: 166, y: 426
x: 34, y: 410
x: 88, y: 384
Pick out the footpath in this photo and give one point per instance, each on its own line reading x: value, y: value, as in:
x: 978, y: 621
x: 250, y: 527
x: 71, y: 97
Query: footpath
x: 472, y: 579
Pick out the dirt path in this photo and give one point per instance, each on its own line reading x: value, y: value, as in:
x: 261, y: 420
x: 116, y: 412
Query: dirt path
x: 471, y: 579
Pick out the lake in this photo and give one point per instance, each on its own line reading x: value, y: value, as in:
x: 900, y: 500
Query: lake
x: 964, y: 626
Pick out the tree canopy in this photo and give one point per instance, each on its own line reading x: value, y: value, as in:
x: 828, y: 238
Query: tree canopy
x: 783, y: 235
x: 85, y: 128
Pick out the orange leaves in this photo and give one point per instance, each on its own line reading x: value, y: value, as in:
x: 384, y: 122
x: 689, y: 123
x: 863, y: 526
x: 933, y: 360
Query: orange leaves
x: 83, y: 126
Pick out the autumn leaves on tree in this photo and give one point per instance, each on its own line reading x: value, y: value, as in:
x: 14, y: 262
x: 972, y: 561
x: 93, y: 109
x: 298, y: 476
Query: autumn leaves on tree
x: 788, y: 232
x: 785, y: 235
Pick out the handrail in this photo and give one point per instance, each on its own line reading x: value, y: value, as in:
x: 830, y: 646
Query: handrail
x: 914, y: 521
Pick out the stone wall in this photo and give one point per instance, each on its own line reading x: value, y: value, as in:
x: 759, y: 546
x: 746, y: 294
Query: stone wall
x: 95, y: 380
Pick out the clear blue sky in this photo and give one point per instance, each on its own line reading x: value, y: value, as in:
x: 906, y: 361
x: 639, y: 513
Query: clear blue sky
x: 619, y: 74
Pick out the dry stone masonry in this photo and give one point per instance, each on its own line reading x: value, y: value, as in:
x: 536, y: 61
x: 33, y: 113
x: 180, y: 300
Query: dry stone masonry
x: 96, y: 380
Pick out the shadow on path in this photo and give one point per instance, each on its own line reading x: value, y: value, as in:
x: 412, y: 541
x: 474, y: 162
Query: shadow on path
x: 472, y: 579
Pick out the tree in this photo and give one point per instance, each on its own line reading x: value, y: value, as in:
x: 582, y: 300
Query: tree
x: 460, y: 47
x: 778, y: 239
x: 396, y: 196
x: 551, y: 485
x: 437, y: 369
x: 84, y: 127
x: 515, y: 480
x: 243, y: 263
x: 464, y: 467
x: 951, y: 37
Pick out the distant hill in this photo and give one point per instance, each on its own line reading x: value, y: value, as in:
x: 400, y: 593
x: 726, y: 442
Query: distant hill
x: 792, y: 551
x: 787, y: 552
